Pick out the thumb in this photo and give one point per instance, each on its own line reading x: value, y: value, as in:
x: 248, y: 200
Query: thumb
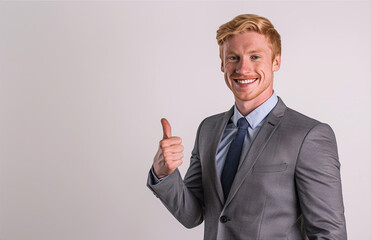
x: 166, y: 128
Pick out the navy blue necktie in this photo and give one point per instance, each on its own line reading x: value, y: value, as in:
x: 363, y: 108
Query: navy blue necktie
x: 233, y: 156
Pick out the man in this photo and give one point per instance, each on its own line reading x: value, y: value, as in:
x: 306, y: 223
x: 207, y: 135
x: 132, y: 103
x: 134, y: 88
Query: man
x: 260, y: 170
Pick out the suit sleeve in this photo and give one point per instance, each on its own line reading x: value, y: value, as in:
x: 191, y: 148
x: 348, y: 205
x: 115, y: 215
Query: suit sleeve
x: 184, y: 199
x: 319, y: 186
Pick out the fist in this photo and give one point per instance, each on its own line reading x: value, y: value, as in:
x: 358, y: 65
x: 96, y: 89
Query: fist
x: 170, y: 152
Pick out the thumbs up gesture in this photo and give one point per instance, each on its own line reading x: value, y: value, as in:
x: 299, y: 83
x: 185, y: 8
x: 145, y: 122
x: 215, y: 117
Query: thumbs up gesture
x: 170, y: 152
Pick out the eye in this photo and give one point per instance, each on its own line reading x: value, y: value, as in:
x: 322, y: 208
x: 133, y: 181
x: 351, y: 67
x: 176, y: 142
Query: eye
x: 233, y: 58
x: 254, y: 57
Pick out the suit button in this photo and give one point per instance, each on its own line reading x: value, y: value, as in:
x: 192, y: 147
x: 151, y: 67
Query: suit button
x: 224, y: 219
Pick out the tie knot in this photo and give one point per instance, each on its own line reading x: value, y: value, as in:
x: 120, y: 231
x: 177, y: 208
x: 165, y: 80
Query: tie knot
x: 242, y: 123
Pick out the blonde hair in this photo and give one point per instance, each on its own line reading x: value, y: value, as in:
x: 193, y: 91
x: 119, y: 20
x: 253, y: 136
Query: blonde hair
x: 250, y: 22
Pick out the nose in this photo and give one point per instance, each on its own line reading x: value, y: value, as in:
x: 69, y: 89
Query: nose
x: 243, y: 67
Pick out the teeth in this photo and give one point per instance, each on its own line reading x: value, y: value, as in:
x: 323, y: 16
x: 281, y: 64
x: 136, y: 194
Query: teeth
x: 246, y: 80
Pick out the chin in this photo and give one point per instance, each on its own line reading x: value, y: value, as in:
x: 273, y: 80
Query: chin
x: 244, y: 96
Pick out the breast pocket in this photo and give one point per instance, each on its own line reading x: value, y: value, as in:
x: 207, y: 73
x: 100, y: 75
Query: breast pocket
x: 271, y: 168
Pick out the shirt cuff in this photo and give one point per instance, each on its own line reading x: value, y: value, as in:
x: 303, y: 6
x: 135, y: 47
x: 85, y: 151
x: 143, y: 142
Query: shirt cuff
x: 155, y: 179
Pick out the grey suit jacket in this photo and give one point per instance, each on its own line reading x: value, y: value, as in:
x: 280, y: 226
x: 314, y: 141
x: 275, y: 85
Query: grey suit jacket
x: 287, y: 186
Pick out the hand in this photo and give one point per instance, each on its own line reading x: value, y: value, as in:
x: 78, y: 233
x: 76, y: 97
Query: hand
x: 170, y: 152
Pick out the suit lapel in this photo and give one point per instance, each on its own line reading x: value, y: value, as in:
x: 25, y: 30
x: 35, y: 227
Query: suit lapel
x: 219, y: 130
x: 257, y: 146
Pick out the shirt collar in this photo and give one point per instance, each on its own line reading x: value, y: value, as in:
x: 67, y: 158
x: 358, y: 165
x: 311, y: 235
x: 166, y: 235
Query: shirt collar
x: 258, y: 114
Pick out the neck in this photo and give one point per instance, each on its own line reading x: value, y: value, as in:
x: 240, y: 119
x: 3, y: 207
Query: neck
x: 246, y: 107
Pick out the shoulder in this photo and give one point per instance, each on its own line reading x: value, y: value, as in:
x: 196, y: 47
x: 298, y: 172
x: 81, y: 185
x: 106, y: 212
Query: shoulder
x: 212, y: 125
x: 217, y: 118
x: 294, y: 121
x: 292, y: 117
x: 297, y: 118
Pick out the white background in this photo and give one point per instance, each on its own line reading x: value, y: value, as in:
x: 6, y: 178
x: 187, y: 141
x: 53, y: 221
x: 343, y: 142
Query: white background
x: 83, y: 86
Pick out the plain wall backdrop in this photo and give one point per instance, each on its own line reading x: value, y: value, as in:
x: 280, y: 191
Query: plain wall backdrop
x: 83, y: 86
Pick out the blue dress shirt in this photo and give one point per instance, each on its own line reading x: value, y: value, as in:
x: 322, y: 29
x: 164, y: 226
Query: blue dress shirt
x: 255, y: 119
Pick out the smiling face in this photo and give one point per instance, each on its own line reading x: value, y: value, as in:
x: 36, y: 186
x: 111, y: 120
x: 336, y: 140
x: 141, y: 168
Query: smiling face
x: 248, y: 69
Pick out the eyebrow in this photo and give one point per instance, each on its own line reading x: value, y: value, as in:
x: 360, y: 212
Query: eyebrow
x: 259, y: 50
x: 256, y: 51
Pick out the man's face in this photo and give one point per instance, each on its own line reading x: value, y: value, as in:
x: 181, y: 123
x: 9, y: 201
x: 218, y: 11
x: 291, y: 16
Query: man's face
x: 248, y: 67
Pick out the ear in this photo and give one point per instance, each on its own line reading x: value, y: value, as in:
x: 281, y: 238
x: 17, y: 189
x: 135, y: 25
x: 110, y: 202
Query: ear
x: 276, y: 63
x: 221, y: 59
